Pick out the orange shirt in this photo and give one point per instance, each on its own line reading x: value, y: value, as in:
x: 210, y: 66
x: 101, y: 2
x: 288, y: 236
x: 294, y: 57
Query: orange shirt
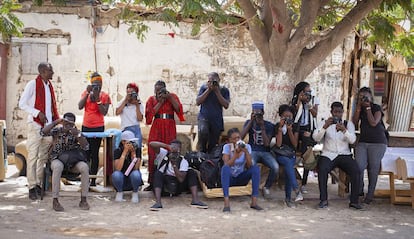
x: 92, y: 118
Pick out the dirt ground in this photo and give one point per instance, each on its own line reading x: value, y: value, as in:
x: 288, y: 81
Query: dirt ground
x: 22, y: 218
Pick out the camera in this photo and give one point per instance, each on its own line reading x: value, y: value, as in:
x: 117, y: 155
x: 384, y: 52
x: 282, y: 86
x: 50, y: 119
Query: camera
x: 258, y: 115
x: 365, y: 99
x: 163, y: 91
x: 134, y: 95
x: 174, y: 156
x: 288, y: 121
x: 308, y: 94
x: 215, y: 82
x: 336, y: 120
x: 96, y: 87
x: 134, y: 144
x: 241, y: 144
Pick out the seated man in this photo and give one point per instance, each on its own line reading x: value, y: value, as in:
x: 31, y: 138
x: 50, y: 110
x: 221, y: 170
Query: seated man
x: 260, y: 134
x: 173, y: 174
x: 126, y: 175
x: 336, y: 135
x: 238, y: 169
x: 68, y: 151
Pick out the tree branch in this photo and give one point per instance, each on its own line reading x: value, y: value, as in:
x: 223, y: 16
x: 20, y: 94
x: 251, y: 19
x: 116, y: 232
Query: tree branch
x: 308, y: 13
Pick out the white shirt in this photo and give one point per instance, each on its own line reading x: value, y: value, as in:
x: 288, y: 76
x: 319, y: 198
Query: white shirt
x: 129, y: 114
x: 28, y: 99
x: 162, y: 155
x: 335, y: 142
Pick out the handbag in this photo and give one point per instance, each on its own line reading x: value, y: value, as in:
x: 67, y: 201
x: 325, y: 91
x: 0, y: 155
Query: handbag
x: 309, y: 160
x: 70, y: 158
x: 283, y: 150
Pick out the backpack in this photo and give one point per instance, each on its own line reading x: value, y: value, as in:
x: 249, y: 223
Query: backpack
x: 195, y: 159
x: 210, y: 172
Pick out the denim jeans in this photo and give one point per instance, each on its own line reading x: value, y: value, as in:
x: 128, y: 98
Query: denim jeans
x: 137, y: 132
x: 227, y: 180
x: 208, y: 136
x: 290, y: 176
x: 269, y: 161
x: 126, y: 183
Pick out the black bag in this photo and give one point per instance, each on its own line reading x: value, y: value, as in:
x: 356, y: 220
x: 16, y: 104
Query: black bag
x: 71, y: 157
x: 210, y: 172
x: 216, y: 152
x: 283, y: 150
x: 195, y: 159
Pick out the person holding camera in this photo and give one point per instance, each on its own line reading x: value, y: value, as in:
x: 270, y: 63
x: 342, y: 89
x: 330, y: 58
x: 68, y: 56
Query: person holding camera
x: 306, y: 110
x: 372, y: 142
x: 173, y: 174
x: 131, y: 112
x: 159, y: 111
x: 260, y: 134
x: 238, y: 169
x: 336, y: 135
x: 287, y: 135
x: 67, y: 152
x: 126, y: 175
x: 39, y: 101
x: 211, y: 98
x: 96, y: 104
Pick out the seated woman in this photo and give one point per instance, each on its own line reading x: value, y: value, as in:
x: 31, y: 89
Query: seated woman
x: 126, y: 175
x: 238, y: 168
x: 287, y: 134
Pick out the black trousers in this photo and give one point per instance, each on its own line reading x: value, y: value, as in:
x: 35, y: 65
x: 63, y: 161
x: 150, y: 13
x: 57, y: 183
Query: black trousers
x: 306, y: 141
x: 165, y: 181
x: 208, y: 136
x: 93, y: 152
x: 348, y: 165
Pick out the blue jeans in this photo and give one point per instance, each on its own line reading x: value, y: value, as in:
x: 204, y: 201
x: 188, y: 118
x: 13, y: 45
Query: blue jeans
x: 269, y: 161
x: 290, y: 176
x: 227, y: 180
x: 137, y: 132
x: 126, y: 183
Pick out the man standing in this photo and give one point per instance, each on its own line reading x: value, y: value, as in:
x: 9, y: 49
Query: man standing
x: 337, y: 135
x: 260, y: 134
x: 212, y: 98
x: 38, y: 99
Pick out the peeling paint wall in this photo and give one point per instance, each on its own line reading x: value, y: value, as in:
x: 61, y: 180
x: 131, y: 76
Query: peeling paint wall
x: 181, y: 61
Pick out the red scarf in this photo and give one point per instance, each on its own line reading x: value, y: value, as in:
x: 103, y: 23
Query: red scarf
x: 40, y: 102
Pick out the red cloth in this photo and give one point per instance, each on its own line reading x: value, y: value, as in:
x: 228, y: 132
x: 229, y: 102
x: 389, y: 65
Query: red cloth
x: 92, y: 117
x: 162, y: 130
x: 40, y: 101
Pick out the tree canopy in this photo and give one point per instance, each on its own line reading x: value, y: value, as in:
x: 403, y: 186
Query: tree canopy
x: 10, y: 25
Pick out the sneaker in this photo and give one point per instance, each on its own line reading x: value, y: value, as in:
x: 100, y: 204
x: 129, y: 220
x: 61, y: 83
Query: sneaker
x: 299, y: 196
x: 156, y: 207
x: 323, y: 204
x: 38, y: 190
x: 226, y: 209
x: 134, y: 198
x: 303, y: 190
x: 119, y: 197
x: 149, y: 188
x: 266, y: 192
x: 199, y: 204
x: 356, y: 206
x: 290, y: 204
x: 367, y: 200
x: 56, y: 206
x: 84, y: 205
x: 256, y: 207
x: 33, y: 194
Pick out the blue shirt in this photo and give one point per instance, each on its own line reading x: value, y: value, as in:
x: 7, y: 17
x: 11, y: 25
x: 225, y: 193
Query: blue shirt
x: 256, y: 135
x: 239, y: 164
x: 211, y: 109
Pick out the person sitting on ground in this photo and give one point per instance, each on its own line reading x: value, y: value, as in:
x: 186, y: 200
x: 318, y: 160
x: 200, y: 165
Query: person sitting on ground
x: 260, y: 134
x: 337, y: 135
x: 173, y: 174
x: 67, y: 151
x: 126, y: 175
x: 238, y: 168
x: 287, y: 134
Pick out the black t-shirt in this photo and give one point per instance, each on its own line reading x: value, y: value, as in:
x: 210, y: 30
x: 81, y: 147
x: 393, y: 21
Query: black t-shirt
x: 285, y: 137
x: 371, y: 134
x: 128, y: 159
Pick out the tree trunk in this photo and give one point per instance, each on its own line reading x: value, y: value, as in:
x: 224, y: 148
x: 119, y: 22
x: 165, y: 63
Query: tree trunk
x: 280, y: 87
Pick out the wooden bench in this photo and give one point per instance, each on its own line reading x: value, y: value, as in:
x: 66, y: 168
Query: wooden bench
x: 405, y: 172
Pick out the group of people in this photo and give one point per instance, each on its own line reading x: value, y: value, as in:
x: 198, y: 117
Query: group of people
x: 169, y: 171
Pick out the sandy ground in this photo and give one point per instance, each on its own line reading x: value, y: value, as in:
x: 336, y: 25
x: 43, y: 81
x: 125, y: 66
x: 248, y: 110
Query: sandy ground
x: 22, y: 218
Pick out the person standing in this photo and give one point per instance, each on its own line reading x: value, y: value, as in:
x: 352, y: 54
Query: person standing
x: 306, y: 106
x: 96, y: 104
x: 131, y: 111
x: 212, y: 98
x: 336, y: 136
x: 38, y: 99
x: 260, y: 134
x: 372, y: 142
x: 159, y: 111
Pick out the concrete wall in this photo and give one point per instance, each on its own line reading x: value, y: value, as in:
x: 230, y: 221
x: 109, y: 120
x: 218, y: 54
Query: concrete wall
x: 181, y: 61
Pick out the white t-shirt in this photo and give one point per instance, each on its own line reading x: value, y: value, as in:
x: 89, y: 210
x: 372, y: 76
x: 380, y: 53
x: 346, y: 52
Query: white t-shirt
x: 129, y: 115
x: 162, y: 155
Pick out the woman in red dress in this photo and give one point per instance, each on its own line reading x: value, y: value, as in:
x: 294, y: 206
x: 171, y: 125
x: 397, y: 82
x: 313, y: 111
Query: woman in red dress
x: 159, y: 111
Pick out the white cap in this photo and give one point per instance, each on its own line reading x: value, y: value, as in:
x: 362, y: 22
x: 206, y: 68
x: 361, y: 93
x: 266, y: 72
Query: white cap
x: 128, y: 136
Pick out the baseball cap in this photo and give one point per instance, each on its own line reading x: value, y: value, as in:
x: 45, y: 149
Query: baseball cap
x: 128, y: 136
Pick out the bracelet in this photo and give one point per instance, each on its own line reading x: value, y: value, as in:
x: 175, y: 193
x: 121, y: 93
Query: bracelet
x: 99, y: 103
x: 79, y: 134
x: 368, y: 108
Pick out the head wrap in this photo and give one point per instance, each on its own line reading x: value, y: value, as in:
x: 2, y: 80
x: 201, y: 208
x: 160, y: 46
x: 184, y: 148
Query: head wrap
x: 133, y: 86
x: 96, y: 77
x: 257, y: 105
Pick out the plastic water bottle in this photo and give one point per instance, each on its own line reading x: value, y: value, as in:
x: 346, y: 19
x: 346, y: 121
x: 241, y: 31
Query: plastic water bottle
x: 131, y: 166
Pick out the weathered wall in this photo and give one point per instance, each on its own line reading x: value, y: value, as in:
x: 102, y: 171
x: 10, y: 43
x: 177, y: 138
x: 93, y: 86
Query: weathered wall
x: 181, y: 61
